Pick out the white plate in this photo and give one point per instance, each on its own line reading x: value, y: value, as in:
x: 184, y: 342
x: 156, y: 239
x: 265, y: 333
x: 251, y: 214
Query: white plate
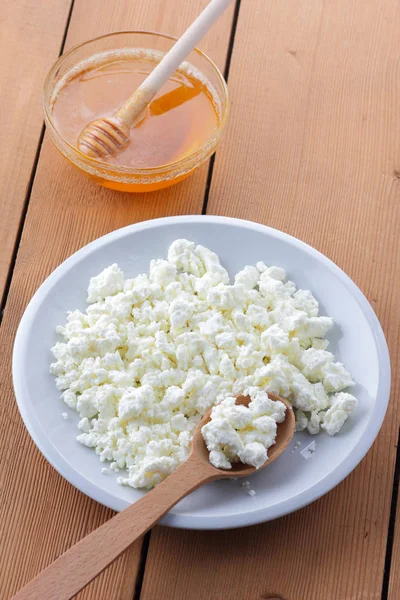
x: 289, y: 483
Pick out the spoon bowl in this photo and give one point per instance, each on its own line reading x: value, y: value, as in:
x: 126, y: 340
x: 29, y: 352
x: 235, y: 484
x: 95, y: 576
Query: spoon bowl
x: 284, y: 434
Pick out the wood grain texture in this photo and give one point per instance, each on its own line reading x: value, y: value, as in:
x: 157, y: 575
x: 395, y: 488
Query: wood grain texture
x: 30, y: 39
x: 316, y: 154
x: 41, y: 515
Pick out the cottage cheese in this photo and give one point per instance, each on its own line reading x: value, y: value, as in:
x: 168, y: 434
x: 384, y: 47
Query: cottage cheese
x: 151, y: 354
x: 239, y: 433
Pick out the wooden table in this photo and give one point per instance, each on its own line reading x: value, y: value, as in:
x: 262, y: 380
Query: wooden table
x: 312, y: 148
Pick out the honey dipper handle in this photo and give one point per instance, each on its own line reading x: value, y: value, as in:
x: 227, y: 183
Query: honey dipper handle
x: 136, y: 104
x: 74, y: 569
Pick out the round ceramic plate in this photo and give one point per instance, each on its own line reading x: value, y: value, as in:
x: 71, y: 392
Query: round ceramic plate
x: 293, y: 480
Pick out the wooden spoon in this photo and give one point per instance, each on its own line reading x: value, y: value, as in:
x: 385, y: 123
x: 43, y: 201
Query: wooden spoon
x: 109, y: 135
x: 67, y: 575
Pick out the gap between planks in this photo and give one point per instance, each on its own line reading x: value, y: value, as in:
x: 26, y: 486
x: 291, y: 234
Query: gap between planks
x: 226, y: 76
x: 147, y: 537
x: 34, y: 31
x: 25, y: 206
x: 391, y: 527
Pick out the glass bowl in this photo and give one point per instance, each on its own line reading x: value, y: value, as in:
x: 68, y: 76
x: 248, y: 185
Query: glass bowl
x: 128, y: 179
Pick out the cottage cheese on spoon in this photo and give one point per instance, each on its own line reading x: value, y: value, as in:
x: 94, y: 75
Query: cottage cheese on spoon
x: 237, y: 433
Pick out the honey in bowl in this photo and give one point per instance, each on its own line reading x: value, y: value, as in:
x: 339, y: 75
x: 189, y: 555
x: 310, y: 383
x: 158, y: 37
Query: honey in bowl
x: 181, y: 119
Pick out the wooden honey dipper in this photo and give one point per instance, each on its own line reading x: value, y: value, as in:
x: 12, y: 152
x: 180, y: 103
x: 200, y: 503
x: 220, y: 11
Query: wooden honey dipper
x: 110, y: 135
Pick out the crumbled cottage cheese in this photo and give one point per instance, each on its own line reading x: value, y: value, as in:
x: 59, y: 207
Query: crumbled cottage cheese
x: 238, y: 433
x: 152, y: 354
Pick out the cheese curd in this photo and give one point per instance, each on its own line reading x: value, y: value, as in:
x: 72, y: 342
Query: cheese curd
x: 153, y: 353
x: 238, y: 433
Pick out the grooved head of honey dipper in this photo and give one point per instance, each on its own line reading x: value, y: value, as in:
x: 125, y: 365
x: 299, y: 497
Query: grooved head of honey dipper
x: 104, y: 137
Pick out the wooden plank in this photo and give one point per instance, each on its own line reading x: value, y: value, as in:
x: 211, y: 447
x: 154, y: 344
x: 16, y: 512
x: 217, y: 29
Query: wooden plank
x: 31, y: 36
x: 40, y: 514
x: 312, y: 149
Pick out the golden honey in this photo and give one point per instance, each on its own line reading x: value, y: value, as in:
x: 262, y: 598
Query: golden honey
x: 181, y: 119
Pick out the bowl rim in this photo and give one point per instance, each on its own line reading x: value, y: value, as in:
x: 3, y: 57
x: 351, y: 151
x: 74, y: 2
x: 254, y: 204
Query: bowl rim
x: 258, y: 515
x: 119, y: 169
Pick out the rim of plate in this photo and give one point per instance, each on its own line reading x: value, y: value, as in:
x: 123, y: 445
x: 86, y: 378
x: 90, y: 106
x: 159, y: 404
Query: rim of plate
x: 204, y: 522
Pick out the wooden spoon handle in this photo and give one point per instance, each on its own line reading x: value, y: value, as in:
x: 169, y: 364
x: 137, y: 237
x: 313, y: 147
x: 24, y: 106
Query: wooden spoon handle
x: 74, y: 569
